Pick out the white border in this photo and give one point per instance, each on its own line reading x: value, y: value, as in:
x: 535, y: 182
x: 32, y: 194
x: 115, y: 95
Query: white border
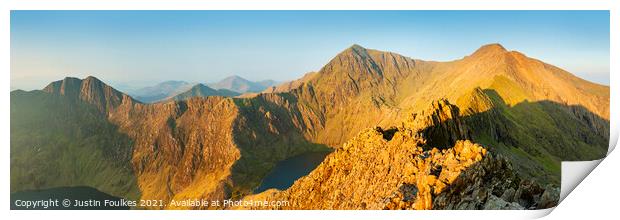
x: 281, y: 5
x: 310, y: 5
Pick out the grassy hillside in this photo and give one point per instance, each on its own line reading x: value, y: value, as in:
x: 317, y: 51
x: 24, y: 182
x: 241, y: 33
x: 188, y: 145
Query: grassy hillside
x: 537, y: 136
x: 58, y: 142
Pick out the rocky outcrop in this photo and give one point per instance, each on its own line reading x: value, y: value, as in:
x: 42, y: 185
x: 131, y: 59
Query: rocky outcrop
x: 396, y: 169
x: 439, y: 125
x: 492, y: 183
x: 433, y: 172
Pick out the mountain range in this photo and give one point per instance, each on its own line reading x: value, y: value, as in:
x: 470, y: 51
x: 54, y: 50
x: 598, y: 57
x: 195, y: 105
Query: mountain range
x: 372, y: 108
x: 240, y: 85
x: 161, y: 91
x: 177, y: 90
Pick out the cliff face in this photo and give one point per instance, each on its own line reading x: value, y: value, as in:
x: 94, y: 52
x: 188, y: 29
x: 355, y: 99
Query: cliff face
x: 181, y: 149
x: 440, y: 124
x: 398, y: 169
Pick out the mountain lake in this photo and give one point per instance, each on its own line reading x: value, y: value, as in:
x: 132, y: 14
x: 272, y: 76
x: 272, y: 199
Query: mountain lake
x: 287, y: 171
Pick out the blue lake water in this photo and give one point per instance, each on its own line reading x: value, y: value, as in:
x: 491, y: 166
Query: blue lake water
x: 287, y: 171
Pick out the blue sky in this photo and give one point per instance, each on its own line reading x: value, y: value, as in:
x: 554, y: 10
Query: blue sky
x: 139, y: 48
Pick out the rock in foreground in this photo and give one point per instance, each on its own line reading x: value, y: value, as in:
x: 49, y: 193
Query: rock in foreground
x: 391, y: 169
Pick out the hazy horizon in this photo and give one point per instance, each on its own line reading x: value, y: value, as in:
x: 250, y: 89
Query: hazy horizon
x: 143, y: 48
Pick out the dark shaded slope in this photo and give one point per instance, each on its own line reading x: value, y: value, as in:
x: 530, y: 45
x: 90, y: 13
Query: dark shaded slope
x: 60, y: 141
x: 537, y: 136
x: 269, y: 129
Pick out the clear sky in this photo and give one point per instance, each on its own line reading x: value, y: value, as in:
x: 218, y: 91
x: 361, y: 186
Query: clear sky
x: 140, y: 48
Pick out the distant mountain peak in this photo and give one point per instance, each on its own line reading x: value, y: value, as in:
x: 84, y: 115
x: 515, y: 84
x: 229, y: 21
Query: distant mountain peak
x: 493, y: 46
x: 92, y: 78
x: 68, y: 86
x: 235, y: 77
x: 241, y: 85
x: 493, y: 49
x: 355, y: 49
x: 202, y: 90
x: 93, y: 82
x: 161, y: 91
x: 89, y: 89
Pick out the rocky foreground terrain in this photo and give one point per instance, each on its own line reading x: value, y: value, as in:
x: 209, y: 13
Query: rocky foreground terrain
x: 397, y: 168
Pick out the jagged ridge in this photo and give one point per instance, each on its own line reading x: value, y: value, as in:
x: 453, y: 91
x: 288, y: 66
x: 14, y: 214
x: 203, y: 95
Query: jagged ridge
x: 390, y: 169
